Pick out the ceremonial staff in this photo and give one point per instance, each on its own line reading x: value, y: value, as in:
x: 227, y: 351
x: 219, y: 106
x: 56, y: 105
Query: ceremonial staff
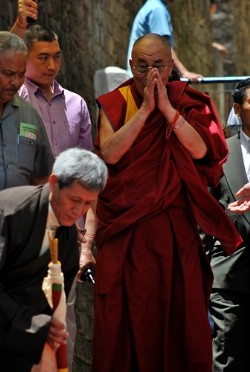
x: 54, y: 283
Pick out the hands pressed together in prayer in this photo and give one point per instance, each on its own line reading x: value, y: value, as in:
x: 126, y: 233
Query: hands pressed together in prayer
x: 243, y: 203
x: 156, y: 95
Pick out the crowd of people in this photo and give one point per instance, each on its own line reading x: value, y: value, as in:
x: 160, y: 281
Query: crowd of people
x: 230, y: 297
x: 158, y: 192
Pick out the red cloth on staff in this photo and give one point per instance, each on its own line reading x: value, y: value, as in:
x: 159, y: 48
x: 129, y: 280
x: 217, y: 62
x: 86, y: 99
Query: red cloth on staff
x: 61, y: 354
x: 152, y: 276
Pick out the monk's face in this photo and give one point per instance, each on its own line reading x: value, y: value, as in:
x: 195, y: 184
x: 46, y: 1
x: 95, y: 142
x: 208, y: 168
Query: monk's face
x: 150, y: 52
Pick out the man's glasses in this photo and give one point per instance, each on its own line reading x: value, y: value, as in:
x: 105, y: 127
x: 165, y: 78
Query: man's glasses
x: 143, y: 70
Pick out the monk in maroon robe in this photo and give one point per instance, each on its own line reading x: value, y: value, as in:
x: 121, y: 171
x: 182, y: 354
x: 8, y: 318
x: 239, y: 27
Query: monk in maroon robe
x: 163, y: 145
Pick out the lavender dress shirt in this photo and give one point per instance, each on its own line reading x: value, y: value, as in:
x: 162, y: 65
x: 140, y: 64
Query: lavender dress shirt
x: 66, y: 116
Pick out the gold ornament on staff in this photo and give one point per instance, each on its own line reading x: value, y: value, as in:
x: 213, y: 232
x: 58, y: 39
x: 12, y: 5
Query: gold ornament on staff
x: 53, y: 245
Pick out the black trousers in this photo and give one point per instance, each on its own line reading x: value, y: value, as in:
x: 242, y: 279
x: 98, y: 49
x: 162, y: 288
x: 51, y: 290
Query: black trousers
x: 231, y: 337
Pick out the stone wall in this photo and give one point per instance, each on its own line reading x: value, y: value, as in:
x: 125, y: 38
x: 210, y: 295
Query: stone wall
x: 240, y: 27
x: 94, y: 34
x: 193, y: 36
x: 223, y: 32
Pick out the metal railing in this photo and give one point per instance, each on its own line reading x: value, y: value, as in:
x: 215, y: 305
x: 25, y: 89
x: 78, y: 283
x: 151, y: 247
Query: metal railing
x: 220, y: 90
x: 218, y: 80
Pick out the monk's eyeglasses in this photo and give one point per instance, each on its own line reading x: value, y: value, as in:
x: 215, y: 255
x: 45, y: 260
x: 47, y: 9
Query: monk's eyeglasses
x: 143, y: 70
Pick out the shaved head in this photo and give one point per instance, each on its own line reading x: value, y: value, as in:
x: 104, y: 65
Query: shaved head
x: 149, y: 39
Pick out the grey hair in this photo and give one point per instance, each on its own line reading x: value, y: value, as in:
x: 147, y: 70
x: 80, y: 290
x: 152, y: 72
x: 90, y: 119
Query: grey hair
x: 81, y: 165
x: 10, y: 42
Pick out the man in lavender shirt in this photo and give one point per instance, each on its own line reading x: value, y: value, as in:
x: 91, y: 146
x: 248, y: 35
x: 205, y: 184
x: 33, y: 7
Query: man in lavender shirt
x: 65, y: 113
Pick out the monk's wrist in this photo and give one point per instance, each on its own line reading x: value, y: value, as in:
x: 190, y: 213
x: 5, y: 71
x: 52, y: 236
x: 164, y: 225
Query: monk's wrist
x: 143, y: 114
x: 179, y: 123
x: 175, y: 124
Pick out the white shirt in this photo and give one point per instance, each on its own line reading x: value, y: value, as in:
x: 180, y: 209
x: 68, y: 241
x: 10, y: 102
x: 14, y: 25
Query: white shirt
x: 245, y: 149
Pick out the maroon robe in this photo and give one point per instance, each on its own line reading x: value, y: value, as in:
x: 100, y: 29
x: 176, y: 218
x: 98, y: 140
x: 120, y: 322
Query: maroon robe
x: 152, y: 276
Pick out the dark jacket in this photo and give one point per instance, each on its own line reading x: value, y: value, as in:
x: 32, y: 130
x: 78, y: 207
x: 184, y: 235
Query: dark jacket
x: 233, y: 272
x: 24, y: 311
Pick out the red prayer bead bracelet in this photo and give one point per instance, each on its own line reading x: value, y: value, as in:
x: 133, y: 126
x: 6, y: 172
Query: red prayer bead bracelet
x: 172, y: 124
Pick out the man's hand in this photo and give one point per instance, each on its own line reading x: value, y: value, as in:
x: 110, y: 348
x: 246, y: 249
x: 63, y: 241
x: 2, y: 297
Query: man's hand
x: 81, y: 236
x: 221, y: 48
x: 193, y: 77
x: 86, y: 257
x: 243, y: 204
x: 244, y: 191
x: 149, y: 93
x: 57, y: 334
x: 26, y: 8
x: 161, y: 98
x: 161, y: 95
x: 240, y: 206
